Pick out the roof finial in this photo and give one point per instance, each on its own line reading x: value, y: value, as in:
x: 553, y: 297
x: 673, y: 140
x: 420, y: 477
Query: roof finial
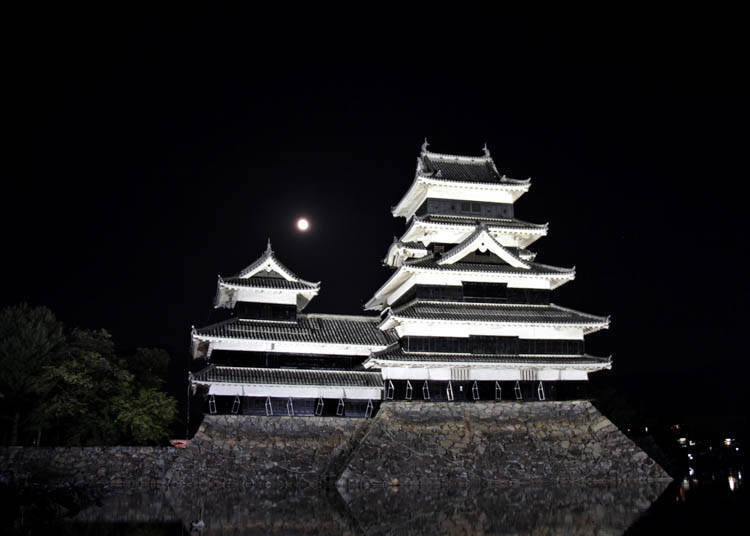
x: 268, y: 247
x: 425, y: 145
x: 486, y: 150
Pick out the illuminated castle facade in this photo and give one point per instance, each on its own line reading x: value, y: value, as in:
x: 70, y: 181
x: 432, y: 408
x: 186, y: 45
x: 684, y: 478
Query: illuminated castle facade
x: 467, y: 314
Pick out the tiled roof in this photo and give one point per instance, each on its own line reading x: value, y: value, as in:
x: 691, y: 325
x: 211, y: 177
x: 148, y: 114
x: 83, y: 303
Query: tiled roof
x: 396, y: 353
x: 495, y: 312
x: 490, y: 222
x: 271, y: 376
x: 331, y: 329
x: 536, y: 268
x: 269, y: 282
x: 270, y: 257
x: 451, y: 168
x: 411, y: 245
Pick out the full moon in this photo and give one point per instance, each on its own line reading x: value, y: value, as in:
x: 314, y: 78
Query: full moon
x: 303, y: 224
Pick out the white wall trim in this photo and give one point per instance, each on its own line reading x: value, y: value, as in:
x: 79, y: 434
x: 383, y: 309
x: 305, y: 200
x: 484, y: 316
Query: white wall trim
x: 294, y: 391
x: 288, y: 347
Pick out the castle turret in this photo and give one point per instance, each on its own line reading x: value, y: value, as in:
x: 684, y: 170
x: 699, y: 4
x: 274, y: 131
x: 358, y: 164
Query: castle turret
x: 470, y: 306
x: 268, y: 357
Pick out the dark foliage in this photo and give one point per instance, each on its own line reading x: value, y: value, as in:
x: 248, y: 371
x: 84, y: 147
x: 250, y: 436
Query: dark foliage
x: 71, y: 388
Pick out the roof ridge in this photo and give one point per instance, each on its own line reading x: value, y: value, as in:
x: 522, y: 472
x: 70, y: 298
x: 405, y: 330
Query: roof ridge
x: 340, y: 316
x: 488, y: 304
x: 266, y: 320
x: 549, y: 266
x: 457, y: 157
x: 215, y: 324
x: 484, y: 159
x: 576, y: 311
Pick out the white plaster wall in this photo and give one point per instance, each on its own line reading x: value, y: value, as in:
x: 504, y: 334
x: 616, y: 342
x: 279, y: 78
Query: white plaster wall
x: 433, y: 328
x: 294, y: 391
x: 250, y: 345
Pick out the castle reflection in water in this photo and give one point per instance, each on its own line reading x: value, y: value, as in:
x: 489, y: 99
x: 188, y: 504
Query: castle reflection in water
x: 521, y: 509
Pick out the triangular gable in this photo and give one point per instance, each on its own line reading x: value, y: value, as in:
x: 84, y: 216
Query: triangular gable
x: 269, y: 263
x: 481, y: 240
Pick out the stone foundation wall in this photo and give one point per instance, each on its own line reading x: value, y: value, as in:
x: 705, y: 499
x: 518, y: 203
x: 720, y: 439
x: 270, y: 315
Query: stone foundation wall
x: 490, y: 443
x: 252, y: 452
x: 407, y: 443
x: 87, y: 467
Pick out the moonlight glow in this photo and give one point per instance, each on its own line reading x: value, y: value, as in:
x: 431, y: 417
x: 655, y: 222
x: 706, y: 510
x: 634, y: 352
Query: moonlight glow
x: 303, y: 225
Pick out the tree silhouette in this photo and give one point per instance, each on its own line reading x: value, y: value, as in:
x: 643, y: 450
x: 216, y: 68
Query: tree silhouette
x: 30, y: 337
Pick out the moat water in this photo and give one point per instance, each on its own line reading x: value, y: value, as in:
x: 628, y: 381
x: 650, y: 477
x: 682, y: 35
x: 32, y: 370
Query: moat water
x: 687, y: 506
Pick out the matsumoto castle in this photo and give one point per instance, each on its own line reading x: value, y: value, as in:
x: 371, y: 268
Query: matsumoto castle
x: 467, y: 315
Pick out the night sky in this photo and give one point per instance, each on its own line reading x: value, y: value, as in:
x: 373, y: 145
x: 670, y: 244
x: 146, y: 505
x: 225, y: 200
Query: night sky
x: 146, y: 155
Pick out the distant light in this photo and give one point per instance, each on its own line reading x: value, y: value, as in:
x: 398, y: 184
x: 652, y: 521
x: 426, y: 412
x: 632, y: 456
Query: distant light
x: 646, y: 429
x: 682, y: 440
x: 691, y: 443
x: 691, y: 471
x: 732, y: 483
x: 690, y: 456
x: 303, y: 225
x: 728, y: 441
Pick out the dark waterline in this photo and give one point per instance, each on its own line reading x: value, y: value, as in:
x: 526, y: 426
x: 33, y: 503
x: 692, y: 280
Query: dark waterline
x: 686, y: 506
x: 710, y: 498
